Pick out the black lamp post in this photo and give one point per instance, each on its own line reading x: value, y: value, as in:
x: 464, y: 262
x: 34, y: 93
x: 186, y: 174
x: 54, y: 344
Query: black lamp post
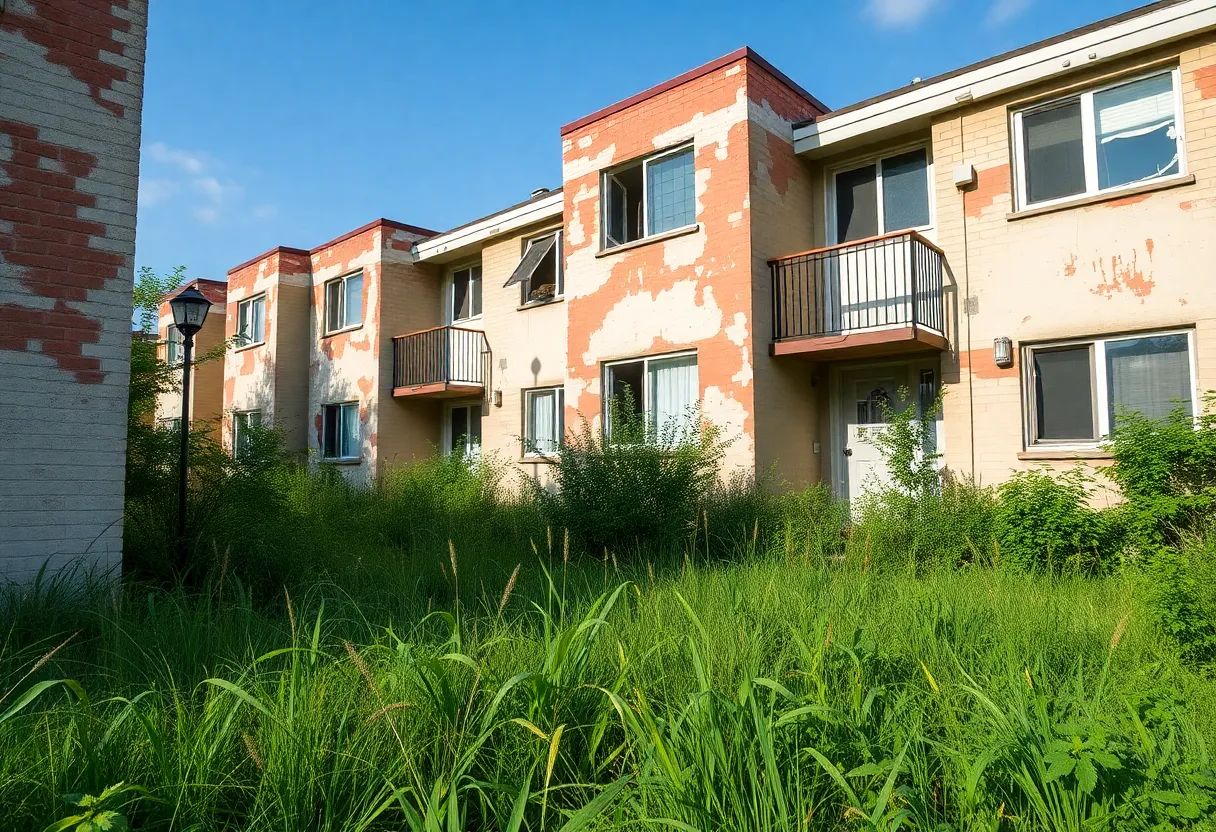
x: 189, y: 311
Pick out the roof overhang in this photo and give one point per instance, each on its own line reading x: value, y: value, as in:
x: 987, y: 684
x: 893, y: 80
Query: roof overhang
x: 914, y: 108
x: 469, y: 238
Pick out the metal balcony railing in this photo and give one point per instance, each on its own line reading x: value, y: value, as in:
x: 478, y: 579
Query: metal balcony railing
x: 895, y: 280
x: 447, y: 355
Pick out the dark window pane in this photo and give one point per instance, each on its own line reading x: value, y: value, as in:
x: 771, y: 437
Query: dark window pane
x: 1149, y: 375
x: 460, y: 295
x: 329, y: 431
x: 1064, y: 394
x: 905, y: 191
x: 1055, y: 157
x: 856, y: 204
x: 627, y: 383
x: 475, y: 425
x: 460, y: 427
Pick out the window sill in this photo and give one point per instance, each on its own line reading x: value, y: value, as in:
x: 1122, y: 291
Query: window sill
x: 539, y: 303
x: 1106, y: 196
x: 653, y: 238
x: 343, y: 330
x: 346, y: 460
x: 254, y: 345
x: 538, y: 460
x: 1045, y: 454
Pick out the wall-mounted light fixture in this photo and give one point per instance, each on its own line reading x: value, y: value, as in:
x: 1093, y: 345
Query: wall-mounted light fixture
x: 496, y: 398
x: 1002, y: 352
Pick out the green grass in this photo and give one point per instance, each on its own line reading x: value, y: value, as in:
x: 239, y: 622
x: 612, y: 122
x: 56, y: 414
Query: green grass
x: 785, y: 691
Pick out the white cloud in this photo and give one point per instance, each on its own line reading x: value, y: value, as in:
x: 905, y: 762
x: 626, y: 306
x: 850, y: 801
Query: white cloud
x: 217, y: 191
x: 265, y: 212
x: 1003, y: 11
x: 191, y: 163
x: 206, y: 213
x: 893, y: 14
x: 192, y: 181
x: 152, y: 191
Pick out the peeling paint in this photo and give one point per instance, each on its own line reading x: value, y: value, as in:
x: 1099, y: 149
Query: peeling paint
x: 1124, y: 276
x: 1205, y: 81
x: 1070, y: 268
x: 992, y: 184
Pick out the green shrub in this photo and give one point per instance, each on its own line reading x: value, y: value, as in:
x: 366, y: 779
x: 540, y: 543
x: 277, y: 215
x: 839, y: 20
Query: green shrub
x: 1044, y: 524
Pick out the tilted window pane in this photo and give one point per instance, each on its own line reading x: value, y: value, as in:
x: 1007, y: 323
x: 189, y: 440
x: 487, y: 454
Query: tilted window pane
x: 856, y: 204
x: 354, y: 300
x: 333, y: 306
x: 1055, y: 154
x: 905, y: 191
x: 1064, y: 394
x: 1150, y: 375
x: 670, y: 192
x: 460, y: 295
x: 1137, y: 133
x: 330, y: 431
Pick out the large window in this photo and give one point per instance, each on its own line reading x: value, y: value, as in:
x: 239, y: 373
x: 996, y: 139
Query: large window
x: 1103, y: 139
x: 539, y: 273
x: 1078, y: 390
x: 543, y: 421
x: 344, y: 302
x: 244, y: 423
x: 466, y: 293
x: 662, y: 390
x: 649, y: 196
x: 251, y: 321
x: 885, y: 195
x: 340, y: 431
x: 174, y: 345
x: 464, y: 430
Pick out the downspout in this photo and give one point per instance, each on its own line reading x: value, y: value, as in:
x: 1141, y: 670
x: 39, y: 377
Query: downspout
x: 962, y: 143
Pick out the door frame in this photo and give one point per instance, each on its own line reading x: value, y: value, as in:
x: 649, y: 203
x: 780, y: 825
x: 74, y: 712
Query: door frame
x: 906, y: 371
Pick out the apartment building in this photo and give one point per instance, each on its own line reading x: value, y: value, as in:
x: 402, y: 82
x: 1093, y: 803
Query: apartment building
x: 71, y: 93
x: 206, y: 406
x: 1030, y: 234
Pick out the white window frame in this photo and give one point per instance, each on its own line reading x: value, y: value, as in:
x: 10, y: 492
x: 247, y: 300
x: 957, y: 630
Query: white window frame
x: 559, y: 428
x: 1089, y: 144
x: 1098, y: 385
x: 645, y: 360
x: 450, y: 294
x: 644, y: 230
x: 470, y: 450
x: 175, y: 344
x: 239, y: 418
x: 341, y: 421
x: 560, y: 290
x: 342, y: 310
x: 248, y: 303
x: 876, y: 159
x: 171, y: 423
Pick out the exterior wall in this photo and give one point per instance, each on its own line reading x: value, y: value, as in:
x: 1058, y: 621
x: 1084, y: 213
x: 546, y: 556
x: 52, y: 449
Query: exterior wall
x: 693, y: 291
x: 207, y: 378
x: 70, y: 107
x: 1125, y: 264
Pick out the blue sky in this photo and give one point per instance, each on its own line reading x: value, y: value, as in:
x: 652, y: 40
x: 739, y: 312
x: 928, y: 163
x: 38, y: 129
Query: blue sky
x: 269, y: 122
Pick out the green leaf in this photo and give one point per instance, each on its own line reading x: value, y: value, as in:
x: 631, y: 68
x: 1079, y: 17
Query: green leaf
x: 1087, y: 775
x: 1169, y: 798
x: 866, y: 770
x: 599, y: 803
x: 1059, y: 765
x: 1106, y: 760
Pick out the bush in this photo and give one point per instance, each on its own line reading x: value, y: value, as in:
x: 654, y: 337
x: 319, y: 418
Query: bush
x: 1045, y: 524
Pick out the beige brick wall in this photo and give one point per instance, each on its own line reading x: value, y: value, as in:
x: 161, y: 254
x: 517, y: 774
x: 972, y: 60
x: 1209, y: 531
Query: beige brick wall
x: 207, y: 378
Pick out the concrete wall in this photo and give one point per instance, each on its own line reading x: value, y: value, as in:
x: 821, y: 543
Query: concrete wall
x: 70, y: 105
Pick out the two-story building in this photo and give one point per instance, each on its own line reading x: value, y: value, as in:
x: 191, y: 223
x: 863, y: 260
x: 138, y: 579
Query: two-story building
x: 206, y: 406
x: 1030, y: 234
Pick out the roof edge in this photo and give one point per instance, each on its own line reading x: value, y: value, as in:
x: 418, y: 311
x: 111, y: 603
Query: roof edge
x: 369, y: 226
x: 266, y: 255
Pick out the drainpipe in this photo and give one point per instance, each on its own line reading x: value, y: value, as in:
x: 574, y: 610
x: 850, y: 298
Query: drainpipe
x: 967, y: 308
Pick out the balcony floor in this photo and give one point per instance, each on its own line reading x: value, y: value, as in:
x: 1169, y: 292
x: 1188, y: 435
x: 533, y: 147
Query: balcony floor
x: 870, y: 343
x: 440, y: 390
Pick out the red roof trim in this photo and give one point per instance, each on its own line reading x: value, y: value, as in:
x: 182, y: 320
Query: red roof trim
x: 726, y: 60
x: 253, y: 261
x: 215, y: 291
x: 382, y: 222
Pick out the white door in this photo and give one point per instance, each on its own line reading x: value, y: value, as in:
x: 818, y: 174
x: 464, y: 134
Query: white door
x: 864, y: 402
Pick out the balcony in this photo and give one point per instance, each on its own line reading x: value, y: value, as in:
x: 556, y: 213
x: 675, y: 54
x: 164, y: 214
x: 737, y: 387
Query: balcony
x: 443, y: 362
x: 875, y: 297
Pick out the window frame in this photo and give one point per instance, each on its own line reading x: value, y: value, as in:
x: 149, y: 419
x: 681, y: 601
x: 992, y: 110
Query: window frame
x: 247, y: 303
x: 342, y: 280
x: 644, y: 162
x: 832, y: 223
x: 560, y: 289
x: 239, y: 416
x: 450, y: 294
x: 645, y: 360
x: 1100, y: 393
x: 470, y: 450
x: 342, y: 405
x: 174, y: 338
x: 528, y: 443
x: 1085, y: 97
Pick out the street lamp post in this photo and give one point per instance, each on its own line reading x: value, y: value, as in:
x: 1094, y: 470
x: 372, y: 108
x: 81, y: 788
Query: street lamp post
x: 189, y: 311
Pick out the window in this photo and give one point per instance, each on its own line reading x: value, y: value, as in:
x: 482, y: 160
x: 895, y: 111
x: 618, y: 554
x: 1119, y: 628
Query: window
x: 539, y: 273
x: 466, y: 293
x: 251, y: 321
x: 649, y: 197
x: 174, y: 345
x: 344, y: 302
x: 888, y: 194
x: 340, y: 431
x: 173, y: 425
x: 1103, y: 139
x: 464, y: 430
x: 663, y: 390
x: 543, y: 421
x: 243, y: 423
x: 1077, y: 391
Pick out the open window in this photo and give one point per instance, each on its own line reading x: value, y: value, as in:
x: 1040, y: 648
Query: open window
x: 663, y: 392
x: 251, y: 321
x: 543, y: 421
x: 340, y: 431
x: 465, y: 296
x: 464, y: 430
x: 344, y: 302
x: 649, y: 196
x: 539, y: 273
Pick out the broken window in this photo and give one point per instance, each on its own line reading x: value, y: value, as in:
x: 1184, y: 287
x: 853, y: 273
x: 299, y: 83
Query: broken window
x: 466, y: 293
x: 344, y: 302
x: 649, y: 196
x: 539, y: 273
x: 1102, y: 139
x: 340, y: 431
x: 251, y: 321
